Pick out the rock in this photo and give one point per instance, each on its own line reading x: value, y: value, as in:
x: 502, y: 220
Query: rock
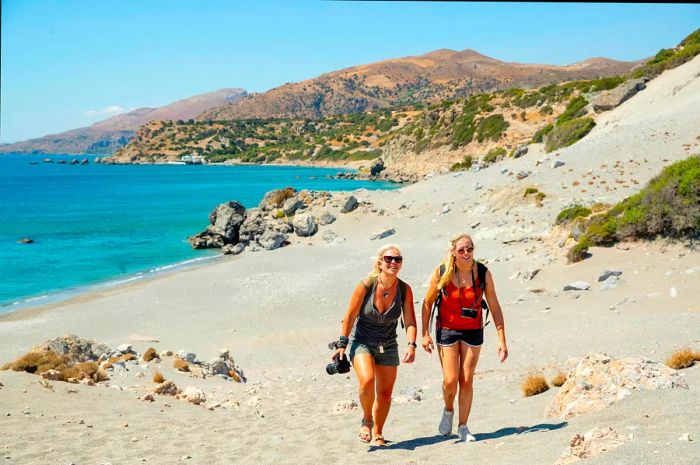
x: 576, y: 232
x: 167, y: 388
x: 685, y: 438
x: 577, y: 286
x: 275, y: 199
x: 189, y: 357
x: 593, y: 443
x: 520, y: 151
x: 328, y: 236
x: 226, y: 220
x: 52, y: 375
x: 147, y: 398
x: 475, y: 224
x: 408, y: 395
x: 194, y: 395
x: 291, y: 205
x: 326, y: 218
x: 477, y: 186
x: 87, y: 382
x: 124, y: 348
x: 531, y: 273
x: 304, y: 225
x: 609, y: 283
x: 166, y: 353
x: 376, y: 167
x: 79, y: 350
x: 556, y: 164
x: 231, y: 249
x: 382, y: 234
x: 25, y: 240
x: 599, y: 381
x: 609, y: 99
x: 607, y: 273
x: 349, y: 204
x: 271, y: 240
x: 673, y: 292
x: 344, y: 406
x: 521, y: 175
x: 445, y: 209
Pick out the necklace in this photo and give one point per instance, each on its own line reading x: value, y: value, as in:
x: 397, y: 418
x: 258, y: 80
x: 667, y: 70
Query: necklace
x: 386, y: 291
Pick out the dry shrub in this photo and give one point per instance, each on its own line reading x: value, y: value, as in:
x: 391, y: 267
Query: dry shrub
x: 38, y: 362
x: 180, y: 365
x: 278, y: 197
x: 158, y: 377
x: 558, y: 380
x: 150, y: 354
x: 122, y: 358
x: 534, y: 384
x: 80, y: 370
x: 682, y: 358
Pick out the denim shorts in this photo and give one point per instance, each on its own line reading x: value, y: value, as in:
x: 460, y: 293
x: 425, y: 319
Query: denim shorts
x: 448, y: 337
x: 390, y: 357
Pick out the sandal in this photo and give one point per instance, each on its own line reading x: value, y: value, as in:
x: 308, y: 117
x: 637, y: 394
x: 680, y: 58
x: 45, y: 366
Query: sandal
x: 366, y: 436
x: 379, y: 440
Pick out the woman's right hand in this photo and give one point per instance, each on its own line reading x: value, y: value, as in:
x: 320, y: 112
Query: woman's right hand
x: 427, y: 343
x: 339, y: 353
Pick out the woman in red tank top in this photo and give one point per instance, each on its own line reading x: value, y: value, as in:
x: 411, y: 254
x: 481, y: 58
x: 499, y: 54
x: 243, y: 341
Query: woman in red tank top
x: 459, y: 328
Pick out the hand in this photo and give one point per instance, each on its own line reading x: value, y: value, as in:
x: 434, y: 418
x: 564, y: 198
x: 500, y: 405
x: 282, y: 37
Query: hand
x: 410, y: 355
x: 338, y: 354
x: 427, y: 344
x: 502, y: 351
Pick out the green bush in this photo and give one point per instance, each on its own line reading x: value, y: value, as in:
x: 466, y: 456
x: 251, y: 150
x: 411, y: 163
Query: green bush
x: 670, y: 58
x: 491, y: 128
x: 539, y: 135
x: 568, y: 133
x: 494, y: 154
x: 571, y: 213
x: 463, y: 131
x: 579, y: 251
x: 464, y: 165
x: 530, y: 190
x: 576, y: 108
x: 546, y: 110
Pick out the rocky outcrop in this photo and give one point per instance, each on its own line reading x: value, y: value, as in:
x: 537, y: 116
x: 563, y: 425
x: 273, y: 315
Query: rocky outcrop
x: 599, y: 381
x: 609, y: 99
x: 590, y: 444
x: 77, y: 349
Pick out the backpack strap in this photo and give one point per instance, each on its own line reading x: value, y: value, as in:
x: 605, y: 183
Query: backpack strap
x: 372, y: 281
x: 481, y: 275
x: 435, y: 310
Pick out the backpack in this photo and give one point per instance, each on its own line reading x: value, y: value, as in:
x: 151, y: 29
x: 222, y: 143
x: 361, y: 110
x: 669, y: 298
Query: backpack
x: 481, y: 274
x: 402, y: 288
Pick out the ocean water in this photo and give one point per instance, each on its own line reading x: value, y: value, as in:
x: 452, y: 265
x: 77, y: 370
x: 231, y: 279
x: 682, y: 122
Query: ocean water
x: 98, y: 224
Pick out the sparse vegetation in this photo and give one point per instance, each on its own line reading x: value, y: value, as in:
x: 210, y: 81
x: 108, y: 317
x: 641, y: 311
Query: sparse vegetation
x: 494, y: 154
x: 158, y: 377
x: 181, y: 365
x: 533, y: 384
x: 571, y: 213
x: 670, y: 58
x: 682, y: 358
x: 539, y: 135
x: 530, y: 190
x: 465, y: 164
x: 558, y: 380
x: 568, y: 133
x: 38, y: 362
x: 491, y: 128
x: 150, y: 354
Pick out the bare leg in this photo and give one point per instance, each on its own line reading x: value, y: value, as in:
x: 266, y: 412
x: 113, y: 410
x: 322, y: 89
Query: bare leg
x: 469, y: 357
x: 364, y: 369
x: 449, y: 359
x: 385, y: 376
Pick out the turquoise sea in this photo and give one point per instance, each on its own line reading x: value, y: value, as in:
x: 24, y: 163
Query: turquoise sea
x: 95, y: 224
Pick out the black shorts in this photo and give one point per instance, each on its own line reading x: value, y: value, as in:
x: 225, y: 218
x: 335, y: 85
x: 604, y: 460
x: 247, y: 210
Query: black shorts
x: 449, y: 337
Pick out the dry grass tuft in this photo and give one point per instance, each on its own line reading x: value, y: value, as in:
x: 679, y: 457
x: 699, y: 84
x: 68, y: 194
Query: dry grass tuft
x: 682, y: 358
x: 150, y: 354
x: 558, y: 380
x: 180, y: 365
x: 38, y: 362
x: 278, y: 197
x: 534, y: 384
x: 158, y: 377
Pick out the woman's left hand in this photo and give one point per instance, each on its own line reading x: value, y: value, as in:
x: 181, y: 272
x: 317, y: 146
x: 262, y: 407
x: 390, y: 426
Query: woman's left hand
x: 502, y: 351
x: 410, y: 355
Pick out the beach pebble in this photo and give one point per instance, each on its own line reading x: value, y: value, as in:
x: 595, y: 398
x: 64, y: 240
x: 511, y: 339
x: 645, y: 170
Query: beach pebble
x: 607, y: 273
x: 194, y: 395
x: 328, y: 236
x: 521, y: 175
x: 609, y: 283
x: 685, y: 438
x: 577, y: 286
x: 344, y: 406
x: 349, y: 204
x: 166, y: 353
x: 124, y: 348
x: 531, y: 273
x: 189, y: 357
x: 673, y: 292
x: 382, y: 234
x: 445, y: 208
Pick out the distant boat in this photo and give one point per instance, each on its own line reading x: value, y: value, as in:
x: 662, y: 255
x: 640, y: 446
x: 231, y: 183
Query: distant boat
x: 48, y: 160
x: 74, y: 162
x: 84, y: 161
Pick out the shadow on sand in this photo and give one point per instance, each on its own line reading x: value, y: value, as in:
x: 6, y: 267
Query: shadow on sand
x: 413, y: 444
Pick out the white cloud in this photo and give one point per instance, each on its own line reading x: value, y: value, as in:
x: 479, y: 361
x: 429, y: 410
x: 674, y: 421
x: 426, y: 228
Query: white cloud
x: 107, y: 111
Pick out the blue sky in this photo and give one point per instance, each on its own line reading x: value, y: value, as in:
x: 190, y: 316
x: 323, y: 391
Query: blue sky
x: 67, y: 64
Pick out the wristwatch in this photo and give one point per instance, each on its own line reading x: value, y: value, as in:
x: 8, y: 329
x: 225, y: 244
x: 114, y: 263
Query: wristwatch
x: 412, y: 344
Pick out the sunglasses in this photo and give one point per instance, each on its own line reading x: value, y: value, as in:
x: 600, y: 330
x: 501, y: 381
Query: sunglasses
x: 390, y: 258
x: 462, y: 250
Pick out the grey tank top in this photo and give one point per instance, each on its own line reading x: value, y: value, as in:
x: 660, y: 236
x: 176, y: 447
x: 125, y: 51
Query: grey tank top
x: 374, y: 327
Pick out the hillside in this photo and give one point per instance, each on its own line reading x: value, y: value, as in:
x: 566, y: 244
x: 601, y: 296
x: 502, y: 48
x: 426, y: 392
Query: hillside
x: 112, y: 133
x: 439, y: 75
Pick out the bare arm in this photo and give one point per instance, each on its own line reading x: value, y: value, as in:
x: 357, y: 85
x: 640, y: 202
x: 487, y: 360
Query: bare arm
x: 430, y: 297
x: 358, y: 296
x: 497, y: 316
x: 409, y: 318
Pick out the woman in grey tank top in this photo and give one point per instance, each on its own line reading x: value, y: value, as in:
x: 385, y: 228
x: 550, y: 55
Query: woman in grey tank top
x: 376, y: 305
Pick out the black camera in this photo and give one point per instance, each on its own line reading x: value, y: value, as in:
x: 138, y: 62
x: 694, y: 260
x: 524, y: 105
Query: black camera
x: 339, y: 365
x: 469, y: 312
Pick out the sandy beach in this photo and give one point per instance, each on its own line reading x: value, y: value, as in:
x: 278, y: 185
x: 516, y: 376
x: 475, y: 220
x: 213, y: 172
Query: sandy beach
x: 277, y: 310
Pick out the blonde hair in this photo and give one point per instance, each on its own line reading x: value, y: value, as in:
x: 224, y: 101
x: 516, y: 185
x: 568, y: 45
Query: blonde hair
x: 449, y: 263
x: 376, y: 268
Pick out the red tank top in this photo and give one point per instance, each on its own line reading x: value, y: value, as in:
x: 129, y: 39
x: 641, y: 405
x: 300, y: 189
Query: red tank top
x: 450, y: 315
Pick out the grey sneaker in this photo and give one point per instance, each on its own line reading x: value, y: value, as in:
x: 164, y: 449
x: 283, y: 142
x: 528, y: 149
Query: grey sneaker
x: 464, y: 434
x: 445, y: 427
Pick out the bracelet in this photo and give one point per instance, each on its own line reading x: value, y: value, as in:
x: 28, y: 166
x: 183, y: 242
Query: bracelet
x: 343, y: 342
x: 412, y: 344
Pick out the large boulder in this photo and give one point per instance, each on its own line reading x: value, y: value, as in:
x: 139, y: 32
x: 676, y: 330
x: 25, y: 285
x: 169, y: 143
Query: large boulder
x: 226, y: 220
x: 275, y: 199
x: 291, y: 205
x: 349, y: 204
x: 376, y: 167
x: 599, y: 381
x: 271, y: 240
x: 304, y: 225
x: 609, y: 99
x: 79, y: 350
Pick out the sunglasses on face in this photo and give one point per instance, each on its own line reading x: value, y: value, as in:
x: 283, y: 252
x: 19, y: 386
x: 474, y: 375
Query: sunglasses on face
x: 463, y: 250
x: 390, y: 258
